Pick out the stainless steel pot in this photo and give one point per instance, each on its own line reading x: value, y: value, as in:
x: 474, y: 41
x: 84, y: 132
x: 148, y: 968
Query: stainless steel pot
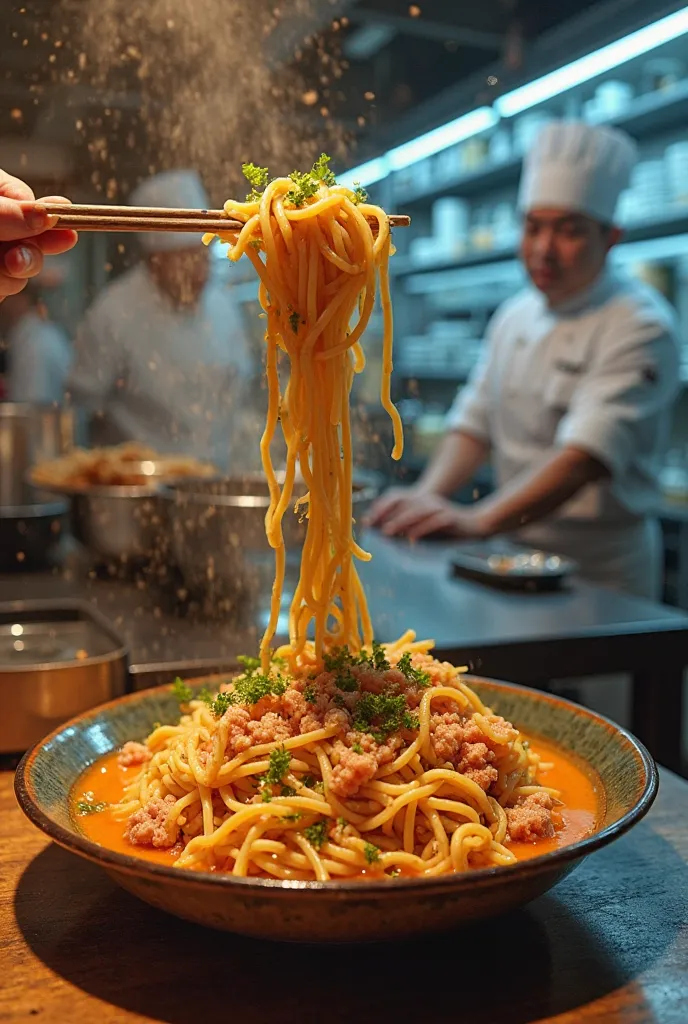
x: 29, y: 434
x: 57, y: 658
x: 120, y: 523
x: 30, y: 532
x: 218, y: 536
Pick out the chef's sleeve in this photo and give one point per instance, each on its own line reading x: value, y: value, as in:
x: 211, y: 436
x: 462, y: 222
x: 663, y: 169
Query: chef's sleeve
x: 470, y: 412
x: 29, y: 372
x: 98, y: 363
x: 615, y: 410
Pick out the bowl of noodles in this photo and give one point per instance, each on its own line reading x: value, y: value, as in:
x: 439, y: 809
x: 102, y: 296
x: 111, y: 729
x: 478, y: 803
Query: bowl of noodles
x: 412, y: 800
x: 335, y: 788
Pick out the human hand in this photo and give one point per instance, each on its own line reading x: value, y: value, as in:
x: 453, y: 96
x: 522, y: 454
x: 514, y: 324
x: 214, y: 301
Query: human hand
x: 414, y: 513
x: 26, y: 235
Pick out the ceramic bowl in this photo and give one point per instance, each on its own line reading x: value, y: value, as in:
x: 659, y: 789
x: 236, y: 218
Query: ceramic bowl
x: 338, y: 911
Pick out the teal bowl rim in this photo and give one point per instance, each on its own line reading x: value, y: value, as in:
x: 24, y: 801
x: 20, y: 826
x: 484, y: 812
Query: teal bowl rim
x: 555, y: 860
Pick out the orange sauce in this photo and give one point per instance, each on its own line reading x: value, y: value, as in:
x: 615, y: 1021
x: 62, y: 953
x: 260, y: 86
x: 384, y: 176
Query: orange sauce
x: 581, y: 793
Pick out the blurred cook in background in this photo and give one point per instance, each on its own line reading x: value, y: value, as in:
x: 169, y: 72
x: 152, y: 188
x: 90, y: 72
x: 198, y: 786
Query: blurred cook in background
x: 573, y: 395
x: 39, y: 350
x: 162, y: 356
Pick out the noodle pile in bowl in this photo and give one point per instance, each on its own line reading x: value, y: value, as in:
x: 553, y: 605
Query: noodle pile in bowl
x: 335, y: 756
x: 383, y: 763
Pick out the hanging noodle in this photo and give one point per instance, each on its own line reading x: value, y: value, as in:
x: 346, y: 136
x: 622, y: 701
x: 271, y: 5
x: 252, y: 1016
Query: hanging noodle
x: 334, y: 756
x: 319, y: 266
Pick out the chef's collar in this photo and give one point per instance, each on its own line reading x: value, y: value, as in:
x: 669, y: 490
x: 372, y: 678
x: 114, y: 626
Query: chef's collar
x: 594, y: 295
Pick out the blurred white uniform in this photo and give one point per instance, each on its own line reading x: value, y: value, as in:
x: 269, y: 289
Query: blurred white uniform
x: 175, y: 379
x: 40, y: 355
x: 598, y: 372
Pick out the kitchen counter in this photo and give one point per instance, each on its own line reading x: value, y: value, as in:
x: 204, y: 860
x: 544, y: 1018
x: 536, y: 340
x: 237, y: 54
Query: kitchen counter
x: 608, y: 944
x: 582, y: 630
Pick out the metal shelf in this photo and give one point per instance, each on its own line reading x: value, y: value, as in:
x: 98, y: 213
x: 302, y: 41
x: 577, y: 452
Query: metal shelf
x: 646, y: 115
x: 673, y: 224
x: 451, y: 376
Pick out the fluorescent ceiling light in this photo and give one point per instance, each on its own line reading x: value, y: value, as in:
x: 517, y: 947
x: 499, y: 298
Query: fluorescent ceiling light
x: 441, y: 138
x: 594, y: 64
x: 417, y: 149
x: 365, y: 174
x: 365, y: 42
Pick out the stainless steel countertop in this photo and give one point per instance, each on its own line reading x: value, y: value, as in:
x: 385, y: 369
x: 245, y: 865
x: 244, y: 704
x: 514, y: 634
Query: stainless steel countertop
x: 407, y: 586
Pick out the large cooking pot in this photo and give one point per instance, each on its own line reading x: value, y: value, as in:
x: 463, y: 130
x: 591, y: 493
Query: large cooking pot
x: 29, y: 434
x: 218, y: 535
x: 30, y: 532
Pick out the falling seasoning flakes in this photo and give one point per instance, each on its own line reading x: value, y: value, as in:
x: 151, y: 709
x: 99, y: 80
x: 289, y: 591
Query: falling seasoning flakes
x: 370, y: 96
x: 414, y: 11
x: 17, y: 115
x: 310, y: 98
x: 492, y: 80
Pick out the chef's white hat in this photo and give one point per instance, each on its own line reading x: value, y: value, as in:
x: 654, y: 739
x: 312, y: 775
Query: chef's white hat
x: 171, y: 189
x: 573, y: 166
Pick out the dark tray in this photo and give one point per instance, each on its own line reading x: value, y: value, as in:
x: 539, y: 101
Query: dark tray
x: 503, y: 564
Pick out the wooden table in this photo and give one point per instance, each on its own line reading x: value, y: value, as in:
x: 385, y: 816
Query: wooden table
x: 609, y: 944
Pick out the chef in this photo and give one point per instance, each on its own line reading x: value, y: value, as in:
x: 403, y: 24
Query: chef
x: 39, y: 349
x: 573, y: 394
x: 162, y: 356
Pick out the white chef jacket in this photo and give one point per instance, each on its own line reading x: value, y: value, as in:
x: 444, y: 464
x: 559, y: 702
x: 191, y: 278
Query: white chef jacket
x: 39, y: 360
x: 599, y: 373
x: 177, y: 380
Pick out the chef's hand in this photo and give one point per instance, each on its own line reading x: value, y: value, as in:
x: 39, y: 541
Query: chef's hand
x: 26, y: 235
x: 414, y: 513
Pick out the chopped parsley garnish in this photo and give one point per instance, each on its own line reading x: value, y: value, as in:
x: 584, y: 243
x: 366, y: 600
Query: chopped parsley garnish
x: 338, y: 701
x: 308, y: 781
x: 266, y: 796
x: 316, y: 834
x: 250, y: 664
x: 181, y: 691
x: 205, y: 695
x: 321, y: 170
x: 287, y: 791
x: 291, y: 817
x: 84, y: 807
x: 279, y: 662
x: 395, y: 872
x: 294, y: 321
x: 280, y: 759
x: 357, y: 748
x: 258, y: 178
x: 342, y: 822
x: 379, y: 660
x: 247, y: 690
x: 347, y: 682
x: 414, y: 675
x: 305, y: 187
x: 310, y: 694
x: 339, y: 659
x: 319, y: 787
x: 360, y: 194
x: 381, y: 714
x: 219, y: 704
x: 371, y: 853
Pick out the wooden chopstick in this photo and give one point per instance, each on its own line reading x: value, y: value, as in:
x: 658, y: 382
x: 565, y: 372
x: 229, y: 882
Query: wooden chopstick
x: 143, y: 218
